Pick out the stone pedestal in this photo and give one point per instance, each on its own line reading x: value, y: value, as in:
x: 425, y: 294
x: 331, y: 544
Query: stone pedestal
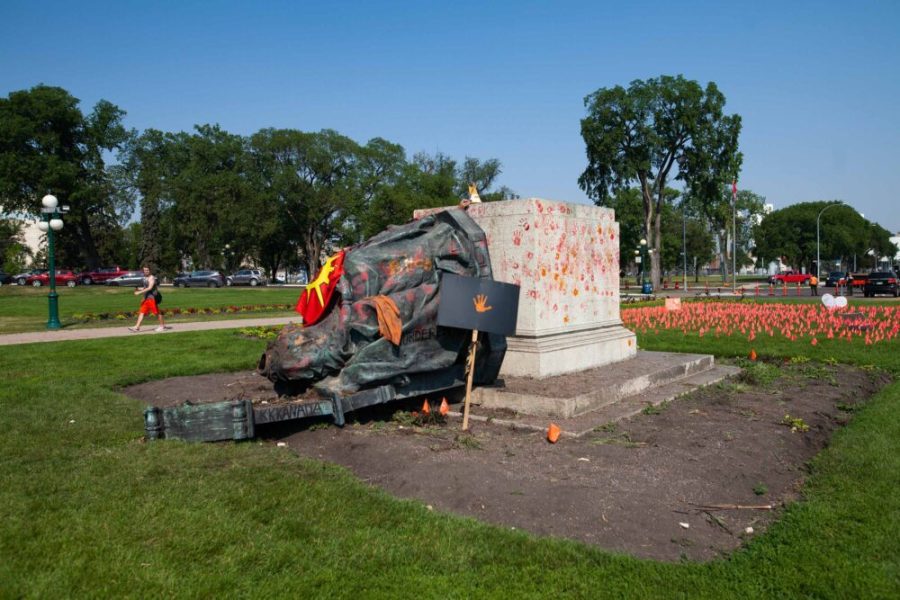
x: 565, y: 258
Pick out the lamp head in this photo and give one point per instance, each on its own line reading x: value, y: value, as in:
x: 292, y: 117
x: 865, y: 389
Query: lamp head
x: 56, y: 224
x: 49, y: 201
x: 43, y: 226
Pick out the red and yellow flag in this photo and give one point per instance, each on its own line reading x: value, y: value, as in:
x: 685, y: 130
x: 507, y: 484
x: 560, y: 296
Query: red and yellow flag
x: 316, y: 297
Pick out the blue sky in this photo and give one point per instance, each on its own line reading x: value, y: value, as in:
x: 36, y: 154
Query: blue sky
x: 816, y: 83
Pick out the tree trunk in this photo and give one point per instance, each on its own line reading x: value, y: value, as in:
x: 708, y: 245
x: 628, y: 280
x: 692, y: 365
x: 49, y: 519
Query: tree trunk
x: 651, y: 232
x: 312, y: 248
x: 202, y: 253
x: 91, y: 256
x: 657, y: 248
x: 150, y: 250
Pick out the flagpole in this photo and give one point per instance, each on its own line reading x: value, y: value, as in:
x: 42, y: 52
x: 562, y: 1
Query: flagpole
x: 734, y: 236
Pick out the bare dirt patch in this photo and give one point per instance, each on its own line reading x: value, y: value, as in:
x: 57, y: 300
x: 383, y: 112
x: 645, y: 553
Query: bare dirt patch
x: 645, y: 486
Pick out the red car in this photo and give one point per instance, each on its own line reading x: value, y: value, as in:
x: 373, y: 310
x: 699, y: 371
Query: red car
x: 789, y: 277
x: 63, y: 277
x: 101, y: 275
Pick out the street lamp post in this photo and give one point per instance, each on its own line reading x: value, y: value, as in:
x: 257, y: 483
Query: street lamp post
x: 682, y: 161
x: 734, y: 245
x: 51, y: 222
x: 646, y: 286
x: 818, y: 269
x: 637, y: 261
x: 684, y: 246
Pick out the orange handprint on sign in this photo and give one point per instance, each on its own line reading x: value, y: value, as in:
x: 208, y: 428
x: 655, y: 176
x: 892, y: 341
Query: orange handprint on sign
x: 480, y: 300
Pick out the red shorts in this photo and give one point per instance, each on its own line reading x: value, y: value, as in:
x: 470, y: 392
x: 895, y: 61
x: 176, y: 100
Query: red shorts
x: 149, y: 306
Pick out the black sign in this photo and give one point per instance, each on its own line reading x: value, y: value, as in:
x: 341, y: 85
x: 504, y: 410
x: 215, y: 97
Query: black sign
x: 482, y: 304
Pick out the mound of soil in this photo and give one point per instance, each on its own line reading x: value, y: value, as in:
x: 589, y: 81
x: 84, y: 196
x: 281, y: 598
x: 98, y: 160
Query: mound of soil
x: 684, y: 480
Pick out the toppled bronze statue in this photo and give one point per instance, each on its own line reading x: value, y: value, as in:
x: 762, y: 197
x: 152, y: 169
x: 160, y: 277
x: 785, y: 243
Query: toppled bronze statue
x: 370, y: 315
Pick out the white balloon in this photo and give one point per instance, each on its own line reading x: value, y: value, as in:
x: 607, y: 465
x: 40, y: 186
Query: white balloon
x: 828, y: 300
x: 840, y: 301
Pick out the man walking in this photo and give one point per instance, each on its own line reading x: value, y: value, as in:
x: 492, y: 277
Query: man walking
x: 813, y: 286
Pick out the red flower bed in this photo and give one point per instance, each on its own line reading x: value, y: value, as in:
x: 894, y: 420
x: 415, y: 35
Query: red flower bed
x: 871, y: 324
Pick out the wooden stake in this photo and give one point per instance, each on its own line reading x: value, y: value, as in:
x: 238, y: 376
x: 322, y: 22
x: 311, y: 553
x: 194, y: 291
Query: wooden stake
x: 734, y: 506
x: 472, y: 349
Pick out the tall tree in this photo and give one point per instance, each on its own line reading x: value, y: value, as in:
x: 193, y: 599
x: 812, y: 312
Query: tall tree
x: 789, y: 234
x: 378, y: 170
x: 481, y: 173
x: 880, y: 245
x: 47, y: 145
x: 719, y: 212
x: 311, y: 178
x: 629, y: 209
x: 640, y: 134
x: 145, y: 173
x: 210, y: 190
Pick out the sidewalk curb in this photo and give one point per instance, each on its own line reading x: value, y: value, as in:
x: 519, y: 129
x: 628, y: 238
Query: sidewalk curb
x: 33, y: 337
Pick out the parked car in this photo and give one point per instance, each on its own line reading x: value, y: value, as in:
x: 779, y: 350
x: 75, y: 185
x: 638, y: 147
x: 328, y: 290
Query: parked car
x: 252, y: 277
x: 5, y: 279
x: 835, y: 279
x: 21, y: 278
x: 881, y: 282
x: 128, y: 278
x: 199, y: 279
x: 858, y: 280
x: 789, y: 277
x: 63, y: 277
x: 101, y: 275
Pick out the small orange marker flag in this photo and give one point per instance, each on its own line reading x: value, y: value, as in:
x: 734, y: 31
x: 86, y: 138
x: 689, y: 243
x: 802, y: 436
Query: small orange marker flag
x: 752, y: 354
x: 553, y: 433
x: 445, y: 408
x: 426, y: 408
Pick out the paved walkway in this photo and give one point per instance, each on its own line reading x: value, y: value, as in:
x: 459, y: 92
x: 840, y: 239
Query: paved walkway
x: 105, y: 332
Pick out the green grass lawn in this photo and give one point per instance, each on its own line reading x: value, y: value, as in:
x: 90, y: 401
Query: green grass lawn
x: 88, y: 509
x: 25, y: 308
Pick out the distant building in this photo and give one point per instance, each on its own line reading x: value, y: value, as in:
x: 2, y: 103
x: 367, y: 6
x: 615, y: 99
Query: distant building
x: 32, y: 237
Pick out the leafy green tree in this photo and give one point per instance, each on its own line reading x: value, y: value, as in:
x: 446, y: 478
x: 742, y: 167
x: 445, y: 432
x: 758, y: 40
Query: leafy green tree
x: 640, y: 134
x: 145, y: 173
x: 719, y: 212
x: 750, y: 210
x: 428, y: 182
x: 481, y: 173
x: 672, y: 240
x: 14, y: 254
x: 311, y: 178
x: 379, y: 168
x: 47, y: 145
x: 131, y: 256
x: 880, y: 244
x: 438, y: 178
x: 629, y: 210
x: 700, y: 245
x: 484, y: 175
x: 790, y: 234
x: 211, y: 194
